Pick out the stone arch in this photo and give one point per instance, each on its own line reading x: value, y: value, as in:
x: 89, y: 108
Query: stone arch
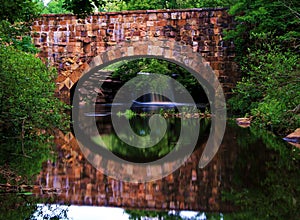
x: 172, y: 51
x: 185, y: 57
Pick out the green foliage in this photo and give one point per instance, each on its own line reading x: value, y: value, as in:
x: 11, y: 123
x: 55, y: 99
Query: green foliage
x: 129, y: 69
x: 55, y: 7
x: 271, y: 89
x: 15, y: 21
x: 29, y: 110
x: 85, y: 7
x: 262, y: 22
x: 173, y: 4
x: 19, y: 10
x: 267, y: 41
x: 13, y: 34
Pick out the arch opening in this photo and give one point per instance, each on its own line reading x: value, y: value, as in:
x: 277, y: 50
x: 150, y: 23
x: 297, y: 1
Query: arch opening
x: 114, y: 75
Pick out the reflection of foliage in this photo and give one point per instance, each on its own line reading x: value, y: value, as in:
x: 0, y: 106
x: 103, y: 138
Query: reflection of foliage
x: 141, y: 214
x: 50, y: 212
x: 267, y: 184
x: 169, y: 215
x: 21, y: 168
x: 128, y: 114
x: 117, y: 146
x: 15, y: 207
x: 18, y: 206
x: 140, y: 126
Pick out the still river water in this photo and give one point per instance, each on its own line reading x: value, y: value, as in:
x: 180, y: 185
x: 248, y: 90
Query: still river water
x: 253, y: 172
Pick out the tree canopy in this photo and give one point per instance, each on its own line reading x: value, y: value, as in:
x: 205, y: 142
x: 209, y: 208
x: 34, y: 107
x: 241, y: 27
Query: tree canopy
x: 18, y: 10
x: 29, y: 110
x: 267, y: 47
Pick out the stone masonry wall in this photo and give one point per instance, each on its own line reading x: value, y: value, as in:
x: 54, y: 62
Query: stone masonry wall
x: 70, y: 43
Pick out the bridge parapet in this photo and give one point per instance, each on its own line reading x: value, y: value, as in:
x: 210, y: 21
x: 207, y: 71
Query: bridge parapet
x: 70, y: 43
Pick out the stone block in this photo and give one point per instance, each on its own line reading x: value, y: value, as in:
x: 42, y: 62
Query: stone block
x: 181, y: 22
x: 36, y: 28
x: 150, y: 23
x: 175, y: 15
x: 152, y: 17
x: 141, y: 50
x: 151, y: 204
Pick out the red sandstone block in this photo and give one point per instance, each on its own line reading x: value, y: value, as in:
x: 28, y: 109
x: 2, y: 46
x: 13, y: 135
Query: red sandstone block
x: 53, y: 28
x: 63, y: 22
x: 100, y: 44
x: 161, y: 23
x: 152, y: 17
x: 216, y: 30
x: 36, y: 28
x: 160, y: 16
x: 45, y: 28
x: 63, y: 28
x: 152, y: 29
x: 101, y: 49
x: 60, y: 78
x: 79, y: 27
x: 181, y: 22
x: 213, y: 20
x: 136, y: 33
x: 111, y: 26
x: 150, y: 23
x: 51, y: 18
x: 95, y: 27
x: 143, y: 33
x: 61, y: 49
x: 36, y: 41
x: 88, y: 27
x: 102, y: 32
x: 140, y: 20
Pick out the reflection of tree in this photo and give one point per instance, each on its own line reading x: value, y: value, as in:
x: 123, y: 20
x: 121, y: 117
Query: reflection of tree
x: 14, y: 206
x: 267, y: 183
x: 169, y: 215
x: 161, y: 215
x: 16, y: 200
x: 50, y: 212
x: 140, y: 126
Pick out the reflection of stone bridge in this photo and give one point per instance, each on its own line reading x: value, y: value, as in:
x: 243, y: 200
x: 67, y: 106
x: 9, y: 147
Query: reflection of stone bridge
x: 76, y: 46
x: 74, y: 180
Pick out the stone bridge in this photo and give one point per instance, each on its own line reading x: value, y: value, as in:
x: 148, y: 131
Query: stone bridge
x: 76, y: 46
